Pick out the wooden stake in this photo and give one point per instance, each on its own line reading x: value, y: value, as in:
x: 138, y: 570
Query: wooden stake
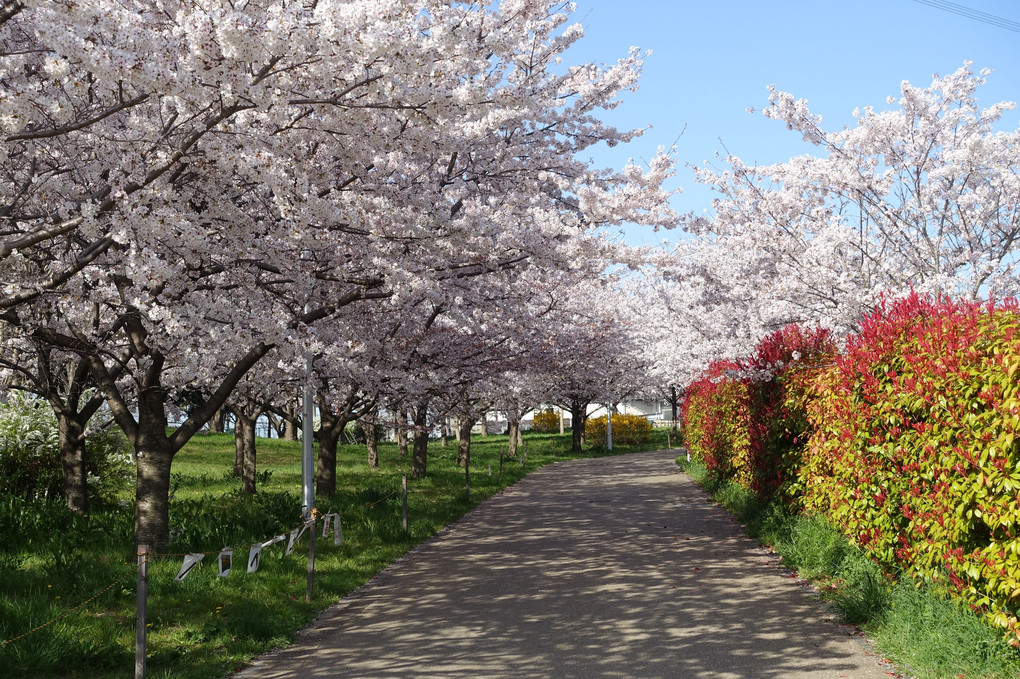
x: 141, y: 604
x: 403, y: 483
x: 311, y: 562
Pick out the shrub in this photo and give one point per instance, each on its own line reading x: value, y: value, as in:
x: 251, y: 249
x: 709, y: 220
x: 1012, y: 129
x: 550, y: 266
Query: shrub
x: 355, y: 432
x: 546, y: 421
x: 715, y: 419
x: 915, y: 454
x: 29, y: 448
x: 628, y: 430
x: 747, y: 420
x: 778, y: 378
x: 30, y: 453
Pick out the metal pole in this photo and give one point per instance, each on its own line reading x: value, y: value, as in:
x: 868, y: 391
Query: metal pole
x: 307, y: 456
x: 308, y: 412
x: 141, y: 624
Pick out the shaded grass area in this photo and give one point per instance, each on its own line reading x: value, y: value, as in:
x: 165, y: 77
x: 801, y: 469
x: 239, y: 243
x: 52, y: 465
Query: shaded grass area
x: 52, y: 561
x: 919, y: 629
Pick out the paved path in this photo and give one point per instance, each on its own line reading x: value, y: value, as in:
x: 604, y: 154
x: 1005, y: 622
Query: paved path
x: 613, y: 567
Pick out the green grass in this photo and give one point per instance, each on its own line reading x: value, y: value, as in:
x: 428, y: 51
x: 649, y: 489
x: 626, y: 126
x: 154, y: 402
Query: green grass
x: 925, y: 633
x: 205, y: 626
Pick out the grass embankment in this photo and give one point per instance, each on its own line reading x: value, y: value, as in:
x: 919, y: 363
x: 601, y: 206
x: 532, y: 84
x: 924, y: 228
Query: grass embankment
x: 924, y: 633
x: 52, y: 561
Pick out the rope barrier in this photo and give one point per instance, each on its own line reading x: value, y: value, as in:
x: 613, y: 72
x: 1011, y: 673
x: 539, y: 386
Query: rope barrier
x: 315, y: 517
x: 217, y: 551
x: 71, y: 610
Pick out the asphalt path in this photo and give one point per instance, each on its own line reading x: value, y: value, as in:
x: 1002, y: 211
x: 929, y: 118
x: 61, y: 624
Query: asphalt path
x: 609, y: 567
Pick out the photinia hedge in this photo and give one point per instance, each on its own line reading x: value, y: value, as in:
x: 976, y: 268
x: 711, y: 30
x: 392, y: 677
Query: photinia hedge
x: 715, y: 419
x: 746, y: 419
x: 914, y: 453
x: 778, y: 379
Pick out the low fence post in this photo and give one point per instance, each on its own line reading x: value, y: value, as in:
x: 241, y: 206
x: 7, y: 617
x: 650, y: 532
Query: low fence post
x: 311, y: 557
x: 141, y: 603
x: 403, y: 483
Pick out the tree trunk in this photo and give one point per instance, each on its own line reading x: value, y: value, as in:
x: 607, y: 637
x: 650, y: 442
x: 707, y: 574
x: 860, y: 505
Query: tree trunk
x: 577, y: 421
x: 238, y: 445
x: 216, y: 423
x: 484, y: 419
x: 275, y: 424
x: 513, y: 431
x: 333, y: 420
x: 152, y: 488
x: 290, y: 429
x: 674, y: 404
x: 331, y: 427
x: 444, y: 432
x: 72, y: 420
x: 456, y: 428
x: 245, y: 417
x: 402, y: 433
x: 244, y: 433
x: 292, y: 416
x: 419, y: 458
x: 143, y: 419
x: 371, y: 443
x: 464, y: 438
x: 72, y: 463
x: 325, y: 473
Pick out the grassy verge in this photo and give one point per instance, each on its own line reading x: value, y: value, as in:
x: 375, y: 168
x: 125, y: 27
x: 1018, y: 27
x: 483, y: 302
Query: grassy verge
x: 51, y: 562
x: 921, y: 631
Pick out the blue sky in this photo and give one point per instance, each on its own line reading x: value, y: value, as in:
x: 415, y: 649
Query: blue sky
x: 712, y: 60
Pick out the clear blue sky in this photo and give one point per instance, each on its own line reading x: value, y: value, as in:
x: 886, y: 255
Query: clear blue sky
x: 712, y: 60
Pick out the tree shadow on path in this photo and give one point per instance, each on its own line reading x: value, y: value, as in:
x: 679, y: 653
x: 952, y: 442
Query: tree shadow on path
x: 612, y: 567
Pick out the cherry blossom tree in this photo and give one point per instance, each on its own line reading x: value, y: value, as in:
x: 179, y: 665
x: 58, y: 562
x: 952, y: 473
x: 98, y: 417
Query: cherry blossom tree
x: 182, y: 218
x: 924, y: 196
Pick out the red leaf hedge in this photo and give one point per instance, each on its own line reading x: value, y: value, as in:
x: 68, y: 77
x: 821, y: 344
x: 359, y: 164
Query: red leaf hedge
x: 914, y: 454
x: 907, y: 441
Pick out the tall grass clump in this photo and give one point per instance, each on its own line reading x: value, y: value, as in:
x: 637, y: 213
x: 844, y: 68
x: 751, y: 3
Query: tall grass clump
x: 30, y: 452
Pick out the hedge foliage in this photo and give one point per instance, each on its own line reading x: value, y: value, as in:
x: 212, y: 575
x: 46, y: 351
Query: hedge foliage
x: 916, y: 455
x: 715, y: 419
x: 907, y: 441
x: 746, y: 420
x: 628, y: 430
